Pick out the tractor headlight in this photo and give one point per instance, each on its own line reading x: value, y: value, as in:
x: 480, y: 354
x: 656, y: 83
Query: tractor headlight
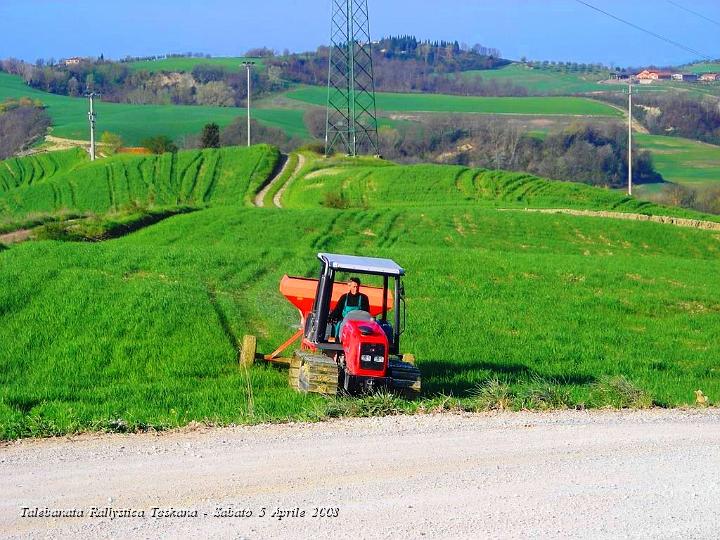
x: 372, y: 357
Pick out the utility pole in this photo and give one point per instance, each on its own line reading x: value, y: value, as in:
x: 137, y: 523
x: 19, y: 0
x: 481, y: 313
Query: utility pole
x: 630, y: 124
x: 248, y: 64
x: 91, y: 118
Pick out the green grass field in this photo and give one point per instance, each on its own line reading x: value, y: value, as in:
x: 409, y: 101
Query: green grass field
x: 17, y: 172
x: 289, y: 120
x: 143, y: 331
x: 224, y: 176
x: 542, y: 106
x: 698, y: 89
x: 137, y: 122
x: 180, y: 65
x: 381, y: 185
x: 683, y: 161
x: 545, y: 81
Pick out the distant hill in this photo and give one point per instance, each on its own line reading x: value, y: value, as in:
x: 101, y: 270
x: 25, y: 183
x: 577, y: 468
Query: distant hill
x: 137, y: 122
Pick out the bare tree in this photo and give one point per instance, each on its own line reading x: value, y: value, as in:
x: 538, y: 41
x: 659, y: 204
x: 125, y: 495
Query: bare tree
x: 20, y: 127
x: 215, y: 93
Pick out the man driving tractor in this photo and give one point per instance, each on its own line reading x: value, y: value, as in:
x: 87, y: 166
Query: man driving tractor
x: 353, y: 300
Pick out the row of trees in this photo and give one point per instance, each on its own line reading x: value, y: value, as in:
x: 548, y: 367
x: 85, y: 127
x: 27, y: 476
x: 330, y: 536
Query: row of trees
x: 677, y: 114
x: 680, y: 116
x: 205, y: 85
x: 401, y: 64
x: 212, y: 136
x: 396, y: 75
x: 704, y: 200
x: 451, y: 56
x: 129, y: 59
x: 566, y: 67
x: 22, y: 122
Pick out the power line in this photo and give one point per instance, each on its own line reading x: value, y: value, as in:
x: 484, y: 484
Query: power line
x: 658, y: 36
x: 693, y: 12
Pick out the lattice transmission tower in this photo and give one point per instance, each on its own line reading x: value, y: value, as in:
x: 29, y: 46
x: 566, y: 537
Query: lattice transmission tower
x: 351, y: 112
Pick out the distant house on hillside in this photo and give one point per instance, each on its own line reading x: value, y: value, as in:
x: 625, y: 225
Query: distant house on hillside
x: 709, y: 77
x: 687, y: 77
x: 74, y: 61
x: 653, y: 75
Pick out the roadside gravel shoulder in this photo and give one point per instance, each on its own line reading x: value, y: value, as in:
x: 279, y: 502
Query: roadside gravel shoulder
x: 596, y: 474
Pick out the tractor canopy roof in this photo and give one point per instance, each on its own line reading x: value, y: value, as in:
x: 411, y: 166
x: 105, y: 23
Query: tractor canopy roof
x: 363, y: 265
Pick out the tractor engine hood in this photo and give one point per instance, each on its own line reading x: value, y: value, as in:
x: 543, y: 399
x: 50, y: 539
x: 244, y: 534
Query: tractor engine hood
x: 366, y: 348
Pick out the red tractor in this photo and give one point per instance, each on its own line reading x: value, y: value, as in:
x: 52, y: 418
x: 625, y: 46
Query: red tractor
x: 365, y: 356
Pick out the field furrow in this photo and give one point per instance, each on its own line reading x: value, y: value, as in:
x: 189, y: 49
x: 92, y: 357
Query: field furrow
x: 212, y: 176
x: 110, y: 177
x: 189, y: 177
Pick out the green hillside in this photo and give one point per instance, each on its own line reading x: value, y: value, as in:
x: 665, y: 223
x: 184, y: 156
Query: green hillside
x: 137, y: 122
x: 17, y: 172
x: 704, y: 67
x: 288, y: 120
x: 383, y: 185
x: 143, y: 331
x: 184, y: 64
x: 683, y: 161
x: 224, y: 176
x: 544, y: 81
x: 544, y: 106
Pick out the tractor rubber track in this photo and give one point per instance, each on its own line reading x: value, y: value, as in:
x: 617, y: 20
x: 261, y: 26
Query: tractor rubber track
x: 316, y: 373
x: 294, y: 371
x: 406, y: 378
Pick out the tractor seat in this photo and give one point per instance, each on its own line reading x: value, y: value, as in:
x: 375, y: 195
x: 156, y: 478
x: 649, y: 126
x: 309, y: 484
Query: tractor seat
x: 358, y: 315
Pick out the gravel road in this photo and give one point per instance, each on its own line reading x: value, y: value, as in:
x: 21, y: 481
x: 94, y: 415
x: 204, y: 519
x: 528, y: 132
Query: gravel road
x: 648, y: 474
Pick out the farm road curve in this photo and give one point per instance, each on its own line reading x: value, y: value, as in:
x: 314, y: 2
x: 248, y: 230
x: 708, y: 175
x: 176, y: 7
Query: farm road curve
x: 16, y: 236
x: 277, y: 198
x: 603, y: 474
x: 260, y: 197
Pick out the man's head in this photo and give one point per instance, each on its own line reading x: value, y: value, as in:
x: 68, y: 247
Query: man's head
x: 354, y: 285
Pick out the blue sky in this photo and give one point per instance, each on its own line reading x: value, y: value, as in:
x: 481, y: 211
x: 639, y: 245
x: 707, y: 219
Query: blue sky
x: 537, y: 29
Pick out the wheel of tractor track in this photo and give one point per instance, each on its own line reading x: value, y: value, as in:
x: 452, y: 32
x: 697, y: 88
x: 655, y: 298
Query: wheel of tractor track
x: 409, y: 358
x: 249, y: 348
x: 317, y: 373
x: 406, y: 378
x: 294, y: 372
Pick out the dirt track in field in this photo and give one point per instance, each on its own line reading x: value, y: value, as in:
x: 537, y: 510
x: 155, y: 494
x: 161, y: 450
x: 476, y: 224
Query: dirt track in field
x: 260, y: 197
x: 651, y: 474
x: 667, y: 220
x: 277, y: 199
x: 15, y: 236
